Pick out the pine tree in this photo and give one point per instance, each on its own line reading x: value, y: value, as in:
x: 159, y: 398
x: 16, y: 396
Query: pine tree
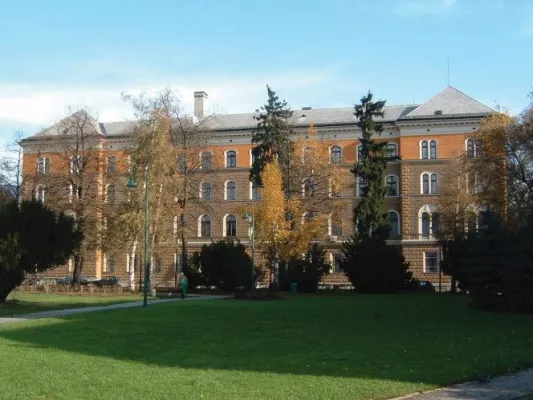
x: 373, y: 157
x: 369, y: 263
x: 273, y: 138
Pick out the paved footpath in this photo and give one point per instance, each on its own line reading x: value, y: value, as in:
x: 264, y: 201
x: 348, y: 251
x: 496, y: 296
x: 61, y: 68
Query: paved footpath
x: 72, y: 311
x: 506, y: 387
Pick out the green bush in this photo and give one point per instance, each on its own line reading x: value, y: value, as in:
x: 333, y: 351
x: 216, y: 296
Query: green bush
x: 224, y: 265
x: 497, y: 267
x: 33, y: 239
x: 372, y: 266
x: 307, y: 271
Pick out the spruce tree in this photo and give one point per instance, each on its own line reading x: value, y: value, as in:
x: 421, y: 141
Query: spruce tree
x: 273, y: 138
x: 373, y: 157
x: 369, y: 263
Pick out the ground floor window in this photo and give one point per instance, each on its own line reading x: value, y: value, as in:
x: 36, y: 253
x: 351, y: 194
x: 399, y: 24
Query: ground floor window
x: 336, y: 262
x: 431, y: 261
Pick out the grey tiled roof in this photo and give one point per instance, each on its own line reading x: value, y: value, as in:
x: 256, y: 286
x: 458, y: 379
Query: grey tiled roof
x: 450, y: 101
x: 62, y: 126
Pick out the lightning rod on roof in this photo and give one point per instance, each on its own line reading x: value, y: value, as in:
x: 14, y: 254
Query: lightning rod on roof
x: 448, y: 70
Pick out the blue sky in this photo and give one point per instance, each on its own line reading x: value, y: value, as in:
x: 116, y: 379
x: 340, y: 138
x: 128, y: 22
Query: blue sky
x: 313, y: 53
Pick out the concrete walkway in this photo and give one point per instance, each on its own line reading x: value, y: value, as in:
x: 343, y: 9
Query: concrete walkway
x: 506, y: 387
x: 72, y: 311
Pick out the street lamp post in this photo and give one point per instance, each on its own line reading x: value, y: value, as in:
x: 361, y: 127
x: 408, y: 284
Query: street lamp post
x: 251, y: 221
x: 132, y: 185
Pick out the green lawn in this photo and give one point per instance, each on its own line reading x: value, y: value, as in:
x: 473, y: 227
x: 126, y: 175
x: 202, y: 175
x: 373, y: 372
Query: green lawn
x: 23, y: 303
x: 347, y: 347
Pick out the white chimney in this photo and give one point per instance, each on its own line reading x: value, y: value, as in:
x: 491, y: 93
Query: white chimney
x: 200, y: 104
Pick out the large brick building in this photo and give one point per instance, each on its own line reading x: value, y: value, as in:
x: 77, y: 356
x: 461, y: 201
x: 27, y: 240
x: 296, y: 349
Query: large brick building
x: 425, y: 136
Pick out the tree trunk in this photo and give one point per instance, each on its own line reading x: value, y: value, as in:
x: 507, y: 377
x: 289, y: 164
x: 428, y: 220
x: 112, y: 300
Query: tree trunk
x: 78, y: 266
x: 131, y: 265
x: 7, y: 285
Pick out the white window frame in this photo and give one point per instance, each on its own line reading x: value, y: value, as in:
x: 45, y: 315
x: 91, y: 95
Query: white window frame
x: 357, y: 152
x: 330, y: 153
x: 224, y: 219
x: 200, y: 226
x: 429, y: 174
x: 226, y: 191
x: 425, y: 268
x: 428, y: 141
x: 105, y: 268
x: 41, y: 193
x: 226, y: 158
x: 330, y: 226
x: 430, y: 210
x: 43, y: 166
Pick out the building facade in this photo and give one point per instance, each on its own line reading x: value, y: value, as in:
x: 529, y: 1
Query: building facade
x: 426, y: 137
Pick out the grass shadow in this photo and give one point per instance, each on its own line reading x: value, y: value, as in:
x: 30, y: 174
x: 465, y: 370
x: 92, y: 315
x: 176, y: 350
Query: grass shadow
x: 428, y: 339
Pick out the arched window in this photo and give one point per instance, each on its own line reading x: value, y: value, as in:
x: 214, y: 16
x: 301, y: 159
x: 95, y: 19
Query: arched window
x: 254, y: 191
x: 110, y: 194
x: 308, y: 188
x: 335, y: 155
x: 394, y: 223
x: 205, y: 226
x: 231, y: 226
x: 391, y: 182
x: 432, y: 149
x: 429, y: 183
x: 206, y: 160
x: 308, y: 155
x: 231, y: 159
x: 231, y: 190
x: 43, y: 166
x: 424, y: 150
x: 426, y: 145
x: 362, y: 187
x: 307, y: 217
x: 428, y: 222
x: 205, y: 191
x: 392, y: 151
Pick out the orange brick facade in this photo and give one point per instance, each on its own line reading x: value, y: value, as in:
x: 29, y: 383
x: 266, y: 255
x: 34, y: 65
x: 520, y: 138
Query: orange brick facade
x: 448, y: 133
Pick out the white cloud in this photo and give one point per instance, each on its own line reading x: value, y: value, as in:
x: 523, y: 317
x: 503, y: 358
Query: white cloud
x: 418, y: 8
x: 43, y: 104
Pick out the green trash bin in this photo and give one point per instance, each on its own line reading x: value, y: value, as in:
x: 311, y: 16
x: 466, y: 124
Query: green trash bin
x: 294, y: 287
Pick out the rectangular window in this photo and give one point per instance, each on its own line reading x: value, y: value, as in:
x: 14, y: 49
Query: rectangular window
x: 109, y: 264
x: 431, y: 262
x: 336, y: 262
x: 111, y: 164
x: 43, y: 166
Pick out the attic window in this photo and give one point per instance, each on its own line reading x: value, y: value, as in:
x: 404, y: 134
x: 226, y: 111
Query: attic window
x: 438, y: 112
